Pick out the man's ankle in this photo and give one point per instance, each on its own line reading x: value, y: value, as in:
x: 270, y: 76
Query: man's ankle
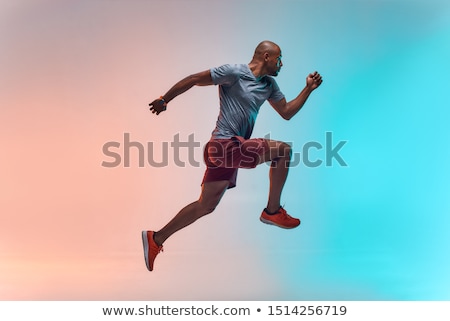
x: 156, y: 239
x: 272, y: 209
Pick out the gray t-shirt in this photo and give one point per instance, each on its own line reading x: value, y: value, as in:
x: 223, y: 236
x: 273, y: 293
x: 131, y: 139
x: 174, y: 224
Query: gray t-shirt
x: 241, y: 95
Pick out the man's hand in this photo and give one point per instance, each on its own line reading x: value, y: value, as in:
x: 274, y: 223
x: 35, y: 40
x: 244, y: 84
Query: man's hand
x: 157, y: 106
x: 313, y: 80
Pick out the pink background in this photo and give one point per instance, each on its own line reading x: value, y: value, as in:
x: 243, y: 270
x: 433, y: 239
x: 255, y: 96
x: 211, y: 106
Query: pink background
x: 78, y: 74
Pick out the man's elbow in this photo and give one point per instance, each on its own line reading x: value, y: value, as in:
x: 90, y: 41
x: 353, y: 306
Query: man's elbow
x: 192, y: 80
x: 286, y: 116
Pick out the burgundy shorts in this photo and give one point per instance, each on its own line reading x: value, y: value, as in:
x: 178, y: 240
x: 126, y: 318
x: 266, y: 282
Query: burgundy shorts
x: 223, y: 157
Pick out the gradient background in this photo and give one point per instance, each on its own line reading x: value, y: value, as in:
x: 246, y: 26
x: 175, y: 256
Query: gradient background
x: 77, y: 74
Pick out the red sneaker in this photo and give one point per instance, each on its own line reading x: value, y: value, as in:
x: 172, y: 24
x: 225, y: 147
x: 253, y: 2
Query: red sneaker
x: 281, y: 219
x: 151, y: 249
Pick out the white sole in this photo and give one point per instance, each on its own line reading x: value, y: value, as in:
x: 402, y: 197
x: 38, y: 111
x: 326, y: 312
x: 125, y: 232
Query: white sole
x: 145, y: 243
x: 272, y: 223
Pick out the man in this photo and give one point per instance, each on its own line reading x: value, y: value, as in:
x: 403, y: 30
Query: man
x: 242, y: 89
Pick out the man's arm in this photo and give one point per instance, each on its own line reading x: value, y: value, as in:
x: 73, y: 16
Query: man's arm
x: 287, y: 110
x: 199, y: 79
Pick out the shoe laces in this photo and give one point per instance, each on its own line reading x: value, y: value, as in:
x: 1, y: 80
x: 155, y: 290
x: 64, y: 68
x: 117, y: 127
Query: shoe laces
x: 284, y: 214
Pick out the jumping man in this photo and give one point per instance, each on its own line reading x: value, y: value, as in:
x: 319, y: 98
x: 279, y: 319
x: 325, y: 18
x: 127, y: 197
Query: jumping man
x: 243, y: 89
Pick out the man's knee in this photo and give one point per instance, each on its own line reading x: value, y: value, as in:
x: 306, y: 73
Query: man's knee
x: 208, y: 206
x: 285, y: 150
x: 211, y: 195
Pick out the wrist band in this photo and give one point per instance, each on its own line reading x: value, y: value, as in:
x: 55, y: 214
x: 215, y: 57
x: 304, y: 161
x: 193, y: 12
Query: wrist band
x: 164, y: 102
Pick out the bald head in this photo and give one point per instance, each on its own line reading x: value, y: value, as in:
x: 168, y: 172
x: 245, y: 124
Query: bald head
x: 266, y: 47
x: 266, y: 59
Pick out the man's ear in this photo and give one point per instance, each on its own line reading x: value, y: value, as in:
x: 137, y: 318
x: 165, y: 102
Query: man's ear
x: 266, y: 56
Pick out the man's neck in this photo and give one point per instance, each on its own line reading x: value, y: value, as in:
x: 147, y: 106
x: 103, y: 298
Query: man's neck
x: 256, y: 69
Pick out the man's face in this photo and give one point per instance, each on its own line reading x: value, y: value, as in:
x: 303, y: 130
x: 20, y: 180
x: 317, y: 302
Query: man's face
x: 275, y: 63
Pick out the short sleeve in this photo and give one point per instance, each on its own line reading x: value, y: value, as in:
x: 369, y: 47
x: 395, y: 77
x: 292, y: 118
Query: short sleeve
x: 276, y: 94
x: 224, y: 75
